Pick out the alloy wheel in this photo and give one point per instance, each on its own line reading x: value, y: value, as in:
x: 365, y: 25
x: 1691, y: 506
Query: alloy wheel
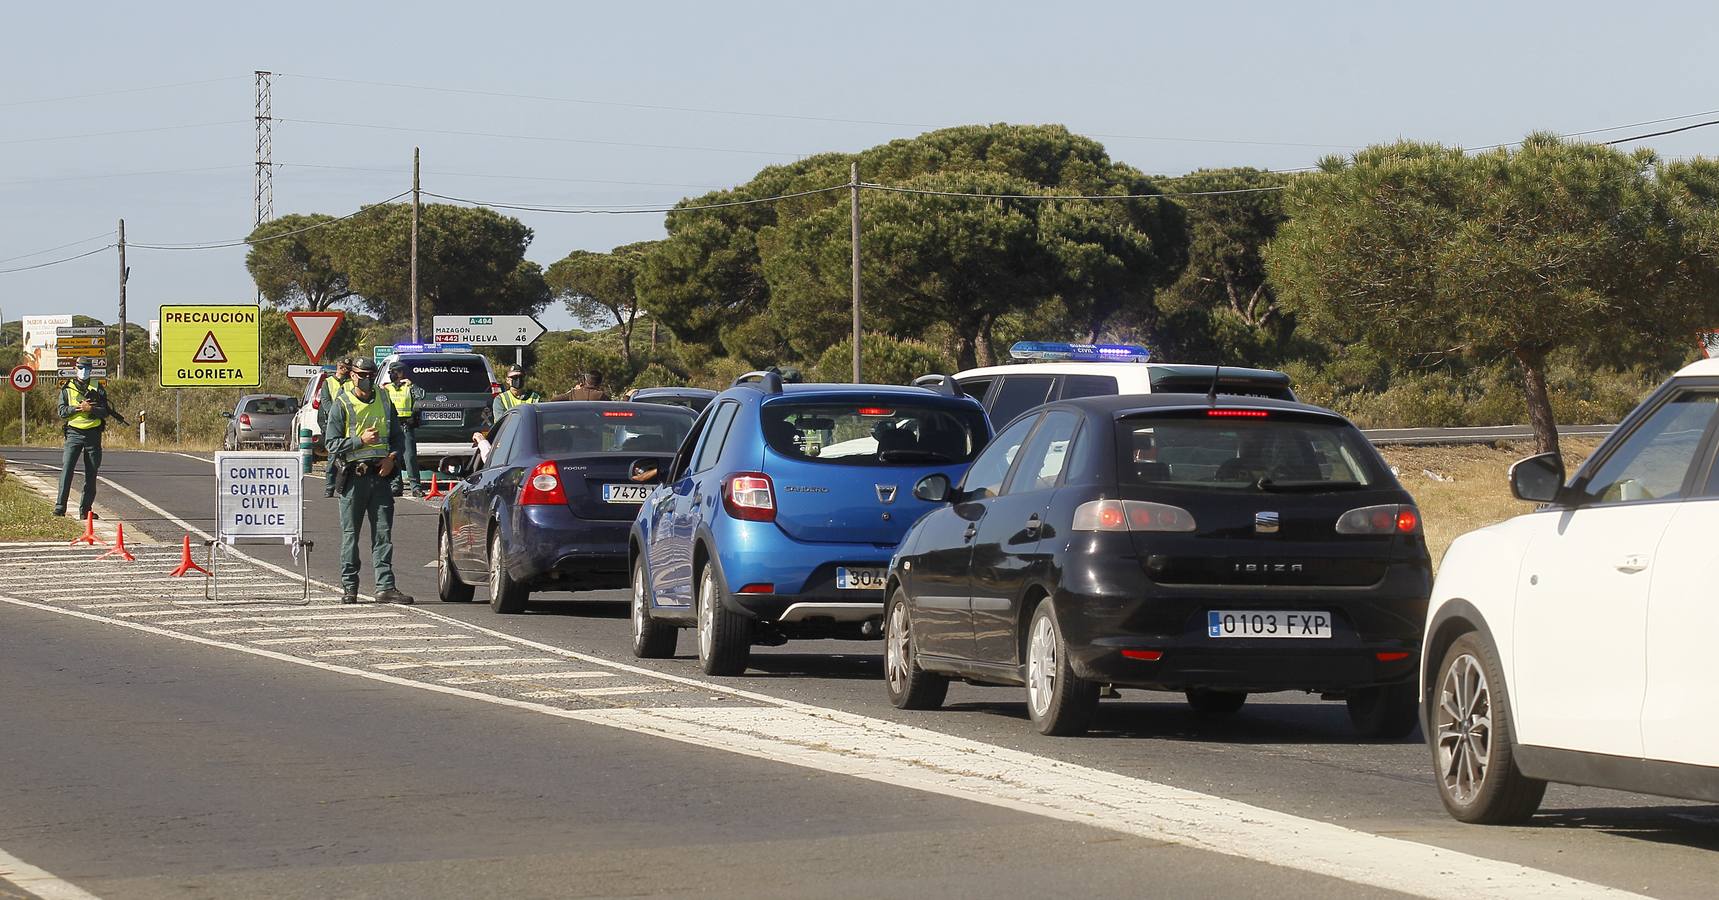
x: 1041, y: 666
x: 1464, y: 729
x: 706, y: 614
x: 897, y: 652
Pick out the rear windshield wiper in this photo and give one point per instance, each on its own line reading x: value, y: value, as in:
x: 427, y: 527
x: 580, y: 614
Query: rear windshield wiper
x: 1266, y: 484
x: 915, y: 456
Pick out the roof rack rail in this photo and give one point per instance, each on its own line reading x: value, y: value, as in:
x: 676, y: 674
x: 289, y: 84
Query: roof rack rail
x: 768, y: 382
x: 942, y: 384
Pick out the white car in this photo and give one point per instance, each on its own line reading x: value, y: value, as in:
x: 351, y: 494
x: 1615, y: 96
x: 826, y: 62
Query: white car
x: 1054, y: 371
x: 1572, y: 644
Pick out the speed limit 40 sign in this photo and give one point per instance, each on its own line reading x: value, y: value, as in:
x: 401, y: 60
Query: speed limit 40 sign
x: 23, y: 378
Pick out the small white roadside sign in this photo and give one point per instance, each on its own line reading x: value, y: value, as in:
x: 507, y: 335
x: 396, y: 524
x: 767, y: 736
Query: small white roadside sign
x: 260, y: 496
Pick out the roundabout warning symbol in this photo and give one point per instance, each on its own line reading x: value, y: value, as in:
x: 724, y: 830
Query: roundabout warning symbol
x: 210, y: 350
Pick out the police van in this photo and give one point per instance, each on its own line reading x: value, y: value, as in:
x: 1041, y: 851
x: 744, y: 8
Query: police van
x: 1046, y: 371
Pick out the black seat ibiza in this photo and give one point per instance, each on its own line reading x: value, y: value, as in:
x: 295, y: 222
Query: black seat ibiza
x: 1215, y: 546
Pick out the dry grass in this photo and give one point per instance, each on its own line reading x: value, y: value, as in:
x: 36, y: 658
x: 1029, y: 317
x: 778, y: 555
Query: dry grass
x: 1478, y: 493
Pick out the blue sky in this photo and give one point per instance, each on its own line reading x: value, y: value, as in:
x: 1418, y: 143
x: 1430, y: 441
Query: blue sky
x: 1180, y: 86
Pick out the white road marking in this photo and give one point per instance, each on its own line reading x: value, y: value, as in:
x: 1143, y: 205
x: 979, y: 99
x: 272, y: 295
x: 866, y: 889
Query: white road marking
x: 904, y: 756
x: 474, y: 649
x: 533, y: 676
x: 40, y: 882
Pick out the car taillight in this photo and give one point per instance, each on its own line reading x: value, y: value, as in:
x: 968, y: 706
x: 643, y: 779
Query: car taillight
x: 749, y: 496
x: 1131, y: 515
x: 244, y: 420
x: 1391, y: 518
x: 543, y: 488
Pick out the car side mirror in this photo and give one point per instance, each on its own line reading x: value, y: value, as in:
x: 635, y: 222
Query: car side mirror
x: 1538, y: 479
x: 934, y: 488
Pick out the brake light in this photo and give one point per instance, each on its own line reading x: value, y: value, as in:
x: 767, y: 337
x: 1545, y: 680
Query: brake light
x: 617, y: 414
x: 244, y: 420
x: 1237, y: 413
x: 1391, y: 518
x: 875, y: 411
x: 749, y: 496
x: 1145, y: 655
x: 543, y: 487
x: 1132, y: 515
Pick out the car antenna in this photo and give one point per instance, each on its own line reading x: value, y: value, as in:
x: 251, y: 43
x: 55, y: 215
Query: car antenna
x: 1212, y: 395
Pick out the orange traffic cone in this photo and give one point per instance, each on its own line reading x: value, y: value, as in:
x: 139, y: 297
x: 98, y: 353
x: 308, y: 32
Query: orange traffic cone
x: 185, y: 563
x: 89, y: 536
x: 119, y: 548
x: 435, y: 489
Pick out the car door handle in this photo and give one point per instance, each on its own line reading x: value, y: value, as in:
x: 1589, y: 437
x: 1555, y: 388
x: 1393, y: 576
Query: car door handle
x: 972, y: 529
x: 1633, y: 563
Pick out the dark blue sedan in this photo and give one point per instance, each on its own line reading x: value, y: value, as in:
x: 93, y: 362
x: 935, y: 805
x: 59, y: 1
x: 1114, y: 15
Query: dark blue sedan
x: 551, y: 505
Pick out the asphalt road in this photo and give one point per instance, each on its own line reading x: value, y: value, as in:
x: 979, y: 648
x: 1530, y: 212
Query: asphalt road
x: 140, y: 765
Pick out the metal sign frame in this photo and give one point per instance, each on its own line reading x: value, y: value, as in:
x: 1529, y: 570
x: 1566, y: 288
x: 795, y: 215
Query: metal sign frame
x: 228, y: 501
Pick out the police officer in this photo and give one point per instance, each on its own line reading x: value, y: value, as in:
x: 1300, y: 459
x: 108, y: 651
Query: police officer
x: 399, y: 391
x: 365, y: 437
x: 513, y: 396
x: 84, y: 407
x: 332, y: 387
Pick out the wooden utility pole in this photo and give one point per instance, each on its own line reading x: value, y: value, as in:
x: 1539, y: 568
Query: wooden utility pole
x: 854, y: 188
x: 123, y: 272
x: 416, y: 211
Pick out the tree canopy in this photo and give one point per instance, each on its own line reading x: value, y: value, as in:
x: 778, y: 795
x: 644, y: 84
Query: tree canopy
x: 1425, y: 251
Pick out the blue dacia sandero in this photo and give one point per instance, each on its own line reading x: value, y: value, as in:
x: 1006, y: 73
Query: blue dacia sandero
x: 778, y: 516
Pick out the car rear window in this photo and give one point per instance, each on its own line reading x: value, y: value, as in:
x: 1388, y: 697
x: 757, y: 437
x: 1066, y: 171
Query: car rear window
x: 880, y: 433
x: 589, y: 430
x: 1244, y: 454
x: 448, y: 376
x: 271, y: 406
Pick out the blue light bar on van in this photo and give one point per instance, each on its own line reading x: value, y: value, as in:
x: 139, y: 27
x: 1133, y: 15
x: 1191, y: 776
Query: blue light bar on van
x: 1049, y: 350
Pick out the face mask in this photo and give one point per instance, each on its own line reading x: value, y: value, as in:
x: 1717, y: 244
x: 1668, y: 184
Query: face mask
x: 517, y: 382
x: 366, y: 383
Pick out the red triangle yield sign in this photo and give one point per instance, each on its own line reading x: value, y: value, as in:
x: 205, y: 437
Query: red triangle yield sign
x: 315, y: 331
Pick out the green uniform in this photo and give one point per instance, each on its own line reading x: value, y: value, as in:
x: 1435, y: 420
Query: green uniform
x: 83, y: 441
x: 401, y: 396
x: 332, y: 389
x: 505, y: 401
x: 367, y: 496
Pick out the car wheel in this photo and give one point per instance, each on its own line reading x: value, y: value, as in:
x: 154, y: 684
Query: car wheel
x: 449, y: 587
x: 910, y: 687
x: 1386, y: 712
x: 724, y: 636
x: 1474, y: 752
x: 506, y: 596
x: 1059, y: 702
x: 651, y: 639
x: 1216, y: 703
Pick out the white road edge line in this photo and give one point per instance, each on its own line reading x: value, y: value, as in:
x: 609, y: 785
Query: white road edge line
x: 884, y: 752
x: 40, y: 882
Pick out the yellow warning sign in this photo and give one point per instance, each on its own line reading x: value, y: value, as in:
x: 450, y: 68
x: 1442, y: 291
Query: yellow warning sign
x: 210, y: 346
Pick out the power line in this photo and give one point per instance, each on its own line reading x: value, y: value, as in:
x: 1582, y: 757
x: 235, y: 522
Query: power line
x: 775, y: 115
x: 240, y: 242
x: 536, y: 137
x: 60, y: 247
x: 623, y: 210
x: 58, y: 261
x: 71, y: 137
x: 135, y: 90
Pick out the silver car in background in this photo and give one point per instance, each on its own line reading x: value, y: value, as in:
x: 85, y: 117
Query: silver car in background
x: 261, y: 421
